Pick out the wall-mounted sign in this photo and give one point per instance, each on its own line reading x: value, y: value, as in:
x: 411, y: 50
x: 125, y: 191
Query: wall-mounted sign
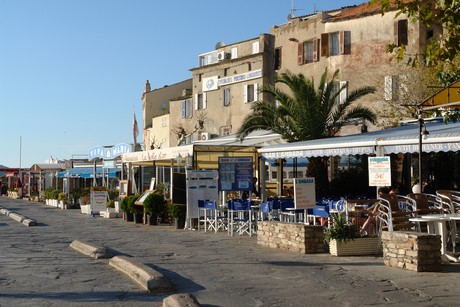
x: 235, y: 173
x: 240, y: 78
x: 109, y: 153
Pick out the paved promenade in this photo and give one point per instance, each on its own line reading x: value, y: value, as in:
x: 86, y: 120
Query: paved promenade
x: 38, y: 268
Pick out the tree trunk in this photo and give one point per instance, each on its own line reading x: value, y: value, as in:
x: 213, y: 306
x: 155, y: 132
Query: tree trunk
x: 317, y: 167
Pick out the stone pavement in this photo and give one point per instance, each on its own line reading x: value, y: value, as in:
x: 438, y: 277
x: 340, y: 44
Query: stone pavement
x: 38, y: 268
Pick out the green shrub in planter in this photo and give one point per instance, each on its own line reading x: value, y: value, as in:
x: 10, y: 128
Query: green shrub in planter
x: 133, y: 208
x: 177, y: 211
x: 341, y: 230
x: 154, y: 204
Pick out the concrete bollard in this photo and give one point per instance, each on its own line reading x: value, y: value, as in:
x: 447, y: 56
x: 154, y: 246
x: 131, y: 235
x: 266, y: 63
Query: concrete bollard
x: 181, y: 300
x: 146, y: 277
x: 90, y: 250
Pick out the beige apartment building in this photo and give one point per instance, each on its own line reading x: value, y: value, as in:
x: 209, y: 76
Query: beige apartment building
x: 226, y: 83
x: 156, y: 114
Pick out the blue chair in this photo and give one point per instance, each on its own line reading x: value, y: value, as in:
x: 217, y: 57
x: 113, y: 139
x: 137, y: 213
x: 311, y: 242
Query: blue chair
x: 240, y: 217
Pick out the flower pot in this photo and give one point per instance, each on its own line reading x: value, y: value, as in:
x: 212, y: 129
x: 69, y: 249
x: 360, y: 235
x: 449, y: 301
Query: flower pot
x: 138, y: 218
x: 180, y: 223
x: 152, y: 219
x: 356, y: 247
x: 129, y: 217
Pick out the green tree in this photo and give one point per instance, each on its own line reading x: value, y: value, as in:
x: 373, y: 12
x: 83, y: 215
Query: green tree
x: 307, y: 113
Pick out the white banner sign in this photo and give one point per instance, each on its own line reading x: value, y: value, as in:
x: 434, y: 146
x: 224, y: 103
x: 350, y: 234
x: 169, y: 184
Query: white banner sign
x: 379, y: 172
x: 304, y: 193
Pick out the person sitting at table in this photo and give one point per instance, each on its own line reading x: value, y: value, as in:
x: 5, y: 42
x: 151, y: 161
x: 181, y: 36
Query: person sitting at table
x: 253, y: 192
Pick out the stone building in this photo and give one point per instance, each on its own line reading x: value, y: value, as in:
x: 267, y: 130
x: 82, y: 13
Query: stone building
x: 353, y: 40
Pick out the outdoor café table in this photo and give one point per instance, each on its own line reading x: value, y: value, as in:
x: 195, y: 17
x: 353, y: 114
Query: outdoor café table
x: 436, y: 224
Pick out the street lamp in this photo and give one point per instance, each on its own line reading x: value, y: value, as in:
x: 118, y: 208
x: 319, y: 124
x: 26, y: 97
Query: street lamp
x: 423, y: 133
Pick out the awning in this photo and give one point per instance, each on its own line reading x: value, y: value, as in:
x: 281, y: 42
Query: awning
x: 446, y: 97
x: 88, y: 172
x: 403, y: 139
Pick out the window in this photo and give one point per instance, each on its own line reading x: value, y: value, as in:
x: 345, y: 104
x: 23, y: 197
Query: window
x: 200, y: 101
x: 335, y: 43
x: 234, y: 53
x: 342, y: 97
x: 226, y: 70
x: 308, y: 52
x: 227, y: 97
x: 400, y: 32
x: 255, y: 47
x: 277, y: 60
x: 187, y: 108
x: 250, y: 93
x: 164, y: 122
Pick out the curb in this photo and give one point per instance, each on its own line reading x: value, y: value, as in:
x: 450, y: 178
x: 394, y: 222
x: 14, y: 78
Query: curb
x: 90, y: 250
x: 18, y: 217
x: 181, y: 299
x: 148, y: 278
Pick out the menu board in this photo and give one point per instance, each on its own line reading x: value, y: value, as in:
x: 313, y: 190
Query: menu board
x: 235, y: 173
x: 379, y: 171
x: 304, y: 193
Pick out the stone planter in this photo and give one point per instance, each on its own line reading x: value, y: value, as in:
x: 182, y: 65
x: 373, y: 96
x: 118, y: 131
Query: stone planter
x: 356, y: 247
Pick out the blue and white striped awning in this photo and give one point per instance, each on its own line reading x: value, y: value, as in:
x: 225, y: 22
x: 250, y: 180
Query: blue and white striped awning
x: 402, y: 139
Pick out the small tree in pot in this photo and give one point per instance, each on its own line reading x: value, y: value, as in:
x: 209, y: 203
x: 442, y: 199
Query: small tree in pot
x: 178, y: 212
x: 154, y: 205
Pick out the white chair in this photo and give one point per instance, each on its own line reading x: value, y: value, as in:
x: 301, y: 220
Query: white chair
x: 240, y: 218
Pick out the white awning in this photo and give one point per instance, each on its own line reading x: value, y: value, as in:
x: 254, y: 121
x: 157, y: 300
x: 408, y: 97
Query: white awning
x: 403, y: 139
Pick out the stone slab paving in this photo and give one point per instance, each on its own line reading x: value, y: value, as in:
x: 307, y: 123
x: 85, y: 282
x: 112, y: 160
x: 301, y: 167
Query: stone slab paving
x: 38, y: 268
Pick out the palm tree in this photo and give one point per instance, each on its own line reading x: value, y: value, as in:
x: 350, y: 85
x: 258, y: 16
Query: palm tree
x: 307, y: 114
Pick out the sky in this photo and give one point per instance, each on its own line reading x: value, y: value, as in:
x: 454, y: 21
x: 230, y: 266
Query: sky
x: 72, y: 72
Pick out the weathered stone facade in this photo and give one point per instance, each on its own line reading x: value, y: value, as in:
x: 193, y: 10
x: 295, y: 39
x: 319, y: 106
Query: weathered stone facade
x: 300, y: 238
x: 420, y: 252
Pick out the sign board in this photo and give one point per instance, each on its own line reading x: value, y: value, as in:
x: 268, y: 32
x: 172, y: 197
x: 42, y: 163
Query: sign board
x: 304, y: 193
x: 98, y: 201
x: 201, y: 184
x: 235, y: 173
x: 379, y: 172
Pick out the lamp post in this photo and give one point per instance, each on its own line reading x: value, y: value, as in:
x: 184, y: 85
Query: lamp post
x: 422, y: 133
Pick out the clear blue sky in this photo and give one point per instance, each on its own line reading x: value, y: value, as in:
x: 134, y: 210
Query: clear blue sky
x: 72, y: 71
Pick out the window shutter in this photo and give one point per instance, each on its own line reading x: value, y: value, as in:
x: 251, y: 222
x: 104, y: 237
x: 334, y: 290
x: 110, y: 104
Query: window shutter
x: 300, y: 53
x: 255, y: 47
x: 345, y: 42
x: 184, y: 108
x: 190, y: 107
x: 245, y: 93
x: 324, y: 44
x: 205, y: 102
x: 402, y: 32
x: 234, y: 53
x: 256, y: 92
x: 315, y: 50
x: 196, y: 101
x: 388, y: 88
x: 344, y: 92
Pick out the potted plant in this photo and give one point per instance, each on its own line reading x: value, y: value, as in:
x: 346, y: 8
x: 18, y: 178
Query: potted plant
x: 178, y: 212
x: 124, y: 206
x: 154, y: 206
x: 62, y: 198
x: 344, y: 239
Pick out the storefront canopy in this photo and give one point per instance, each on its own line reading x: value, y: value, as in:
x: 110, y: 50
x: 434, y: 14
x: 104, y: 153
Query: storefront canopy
x: 444, y: 98
x: 88, y: 172
x: 403, y: 139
